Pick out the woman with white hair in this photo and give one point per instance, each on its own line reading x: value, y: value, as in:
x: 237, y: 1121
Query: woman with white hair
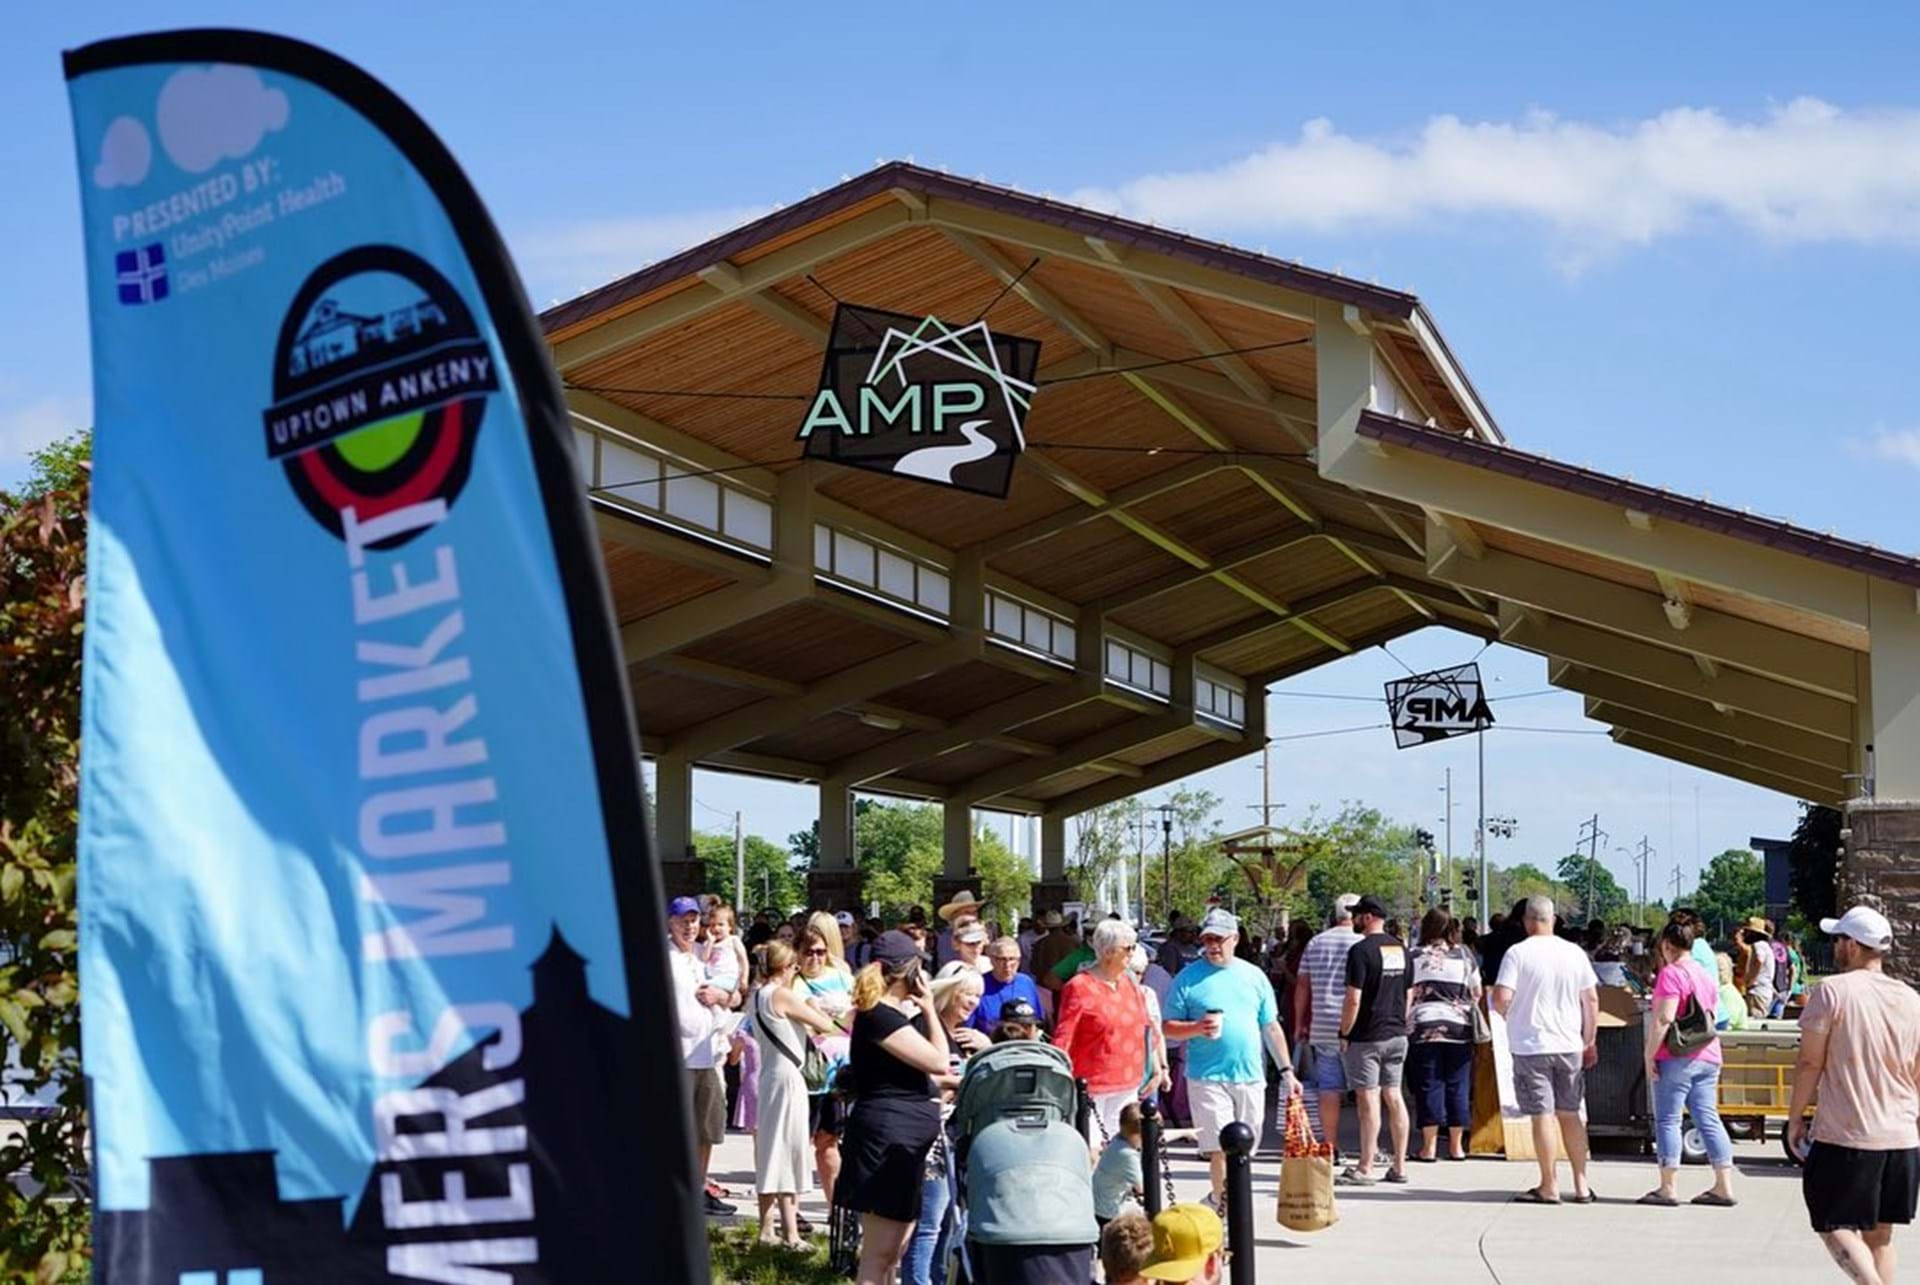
x: 1103, y: 1025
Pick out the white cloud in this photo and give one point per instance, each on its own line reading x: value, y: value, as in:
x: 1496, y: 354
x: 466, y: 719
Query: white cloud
x: 1898, y: 445
x: 212, y: 114
x: 126, y: 153
x: 564, y: 259
x: 1807, y: 171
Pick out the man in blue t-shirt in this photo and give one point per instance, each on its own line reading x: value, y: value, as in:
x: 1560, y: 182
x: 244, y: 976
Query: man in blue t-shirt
x: 1225, y: 1009
x: 1006, y: 982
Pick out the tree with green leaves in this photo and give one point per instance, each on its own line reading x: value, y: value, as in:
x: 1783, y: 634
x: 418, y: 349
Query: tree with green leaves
x: 1355, y: 850
x: 1733, y: 888
x: 1813, y: 862
x: 43, y: 1224
x: 1592, y: 888
x: 1516, y: 883
x: 772, y: 880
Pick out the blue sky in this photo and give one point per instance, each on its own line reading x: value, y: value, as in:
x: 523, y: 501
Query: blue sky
x: 1676, y: 245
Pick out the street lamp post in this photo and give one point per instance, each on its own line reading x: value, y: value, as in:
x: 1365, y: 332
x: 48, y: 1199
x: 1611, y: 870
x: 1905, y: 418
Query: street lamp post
x: 1166, y: 811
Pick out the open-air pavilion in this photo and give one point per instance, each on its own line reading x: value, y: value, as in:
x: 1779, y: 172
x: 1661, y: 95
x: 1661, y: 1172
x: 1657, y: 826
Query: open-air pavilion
x: 1236, y: 469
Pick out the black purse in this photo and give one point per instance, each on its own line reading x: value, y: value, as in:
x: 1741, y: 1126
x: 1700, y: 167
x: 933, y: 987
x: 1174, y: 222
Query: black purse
x: 1691, y: 1030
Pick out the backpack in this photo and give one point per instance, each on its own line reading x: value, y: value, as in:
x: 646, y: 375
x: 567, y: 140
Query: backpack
x: 1027, y: 1177
x: 1782, y: 969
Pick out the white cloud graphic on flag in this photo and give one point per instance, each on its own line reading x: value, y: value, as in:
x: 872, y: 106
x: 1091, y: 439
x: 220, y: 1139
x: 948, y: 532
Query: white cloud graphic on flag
x: 212, y: 114
x: 126, y: 154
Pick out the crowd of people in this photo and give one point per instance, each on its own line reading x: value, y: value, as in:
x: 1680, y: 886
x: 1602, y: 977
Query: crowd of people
x: 839, y: 1042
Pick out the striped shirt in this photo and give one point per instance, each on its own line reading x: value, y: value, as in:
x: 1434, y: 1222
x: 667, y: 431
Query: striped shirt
x: 1325, y: 966
x: 1443, y: 995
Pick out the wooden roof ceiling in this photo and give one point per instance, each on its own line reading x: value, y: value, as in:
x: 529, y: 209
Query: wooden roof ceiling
x: 1167, y: 480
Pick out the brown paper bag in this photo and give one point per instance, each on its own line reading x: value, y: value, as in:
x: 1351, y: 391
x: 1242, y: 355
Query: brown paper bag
x: 1306, y: 1193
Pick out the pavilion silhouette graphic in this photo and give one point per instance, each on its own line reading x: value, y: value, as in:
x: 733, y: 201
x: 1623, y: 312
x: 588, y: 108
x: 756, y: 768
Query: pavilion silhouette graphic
x: 217, y: 1219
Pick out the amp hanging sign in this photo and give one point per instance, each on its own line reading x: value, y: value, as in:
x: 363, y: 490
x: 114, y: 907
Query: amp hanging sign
x: 370, y: 925
x: 1438, y: 705
x: 922, y: 399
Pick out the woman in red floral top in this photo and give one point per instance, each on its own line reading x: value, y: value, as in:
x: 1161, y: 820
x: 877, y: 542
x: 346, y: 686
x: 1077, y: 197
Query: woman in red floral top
x: 1103, y: 1025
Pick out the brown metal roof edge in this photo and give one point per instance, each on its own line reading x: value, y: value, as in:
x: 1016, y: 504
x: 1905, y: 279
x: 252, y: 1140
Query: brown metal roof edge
x: 1707, y: 516
x: 913, y: 178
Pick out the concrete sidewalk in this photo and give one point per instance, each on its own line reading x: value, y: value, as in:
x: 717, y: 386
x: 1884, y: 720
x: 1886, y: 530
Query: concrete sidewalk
x: 1457, y: 1223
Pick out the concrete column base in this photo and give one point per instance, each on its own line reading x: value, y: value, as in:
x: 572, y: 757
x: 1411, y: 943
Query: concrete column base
x: 1049, y: 894
x: 835, y: 890
x: 683, y: 878
x: 1881, y: 867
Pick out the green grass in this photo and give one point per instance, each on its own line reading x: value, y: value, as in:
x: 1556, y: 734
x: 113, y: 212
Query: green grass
x: 738, y: 1258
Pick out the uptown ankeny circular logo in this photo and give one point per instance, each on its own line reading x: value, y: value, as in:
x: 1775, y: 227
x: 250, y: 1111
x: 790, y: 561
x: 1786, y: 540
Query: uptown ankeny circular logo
x: 380, y: 381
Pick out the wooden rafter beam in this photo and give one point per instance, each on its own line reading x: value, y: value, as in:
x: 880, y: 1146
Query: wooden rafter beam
x: 608, y: 334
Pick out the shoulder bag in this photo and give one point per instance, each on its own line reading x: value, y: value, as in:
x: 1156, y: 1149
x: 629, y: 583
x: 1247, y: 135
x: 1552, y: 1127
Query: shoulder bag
x: 813, y: 1067
x: 1692, y: 1029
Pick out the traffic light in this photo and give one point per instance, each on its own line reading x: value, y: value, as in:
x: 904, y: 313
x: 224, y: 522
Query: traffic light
x: 1469, y: 884
x: 1424, y: 839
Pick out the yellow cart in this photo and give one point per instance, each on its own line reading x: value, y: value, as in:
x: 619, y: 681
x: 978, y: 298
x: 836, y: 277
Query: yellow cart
x: 1756, y: 1083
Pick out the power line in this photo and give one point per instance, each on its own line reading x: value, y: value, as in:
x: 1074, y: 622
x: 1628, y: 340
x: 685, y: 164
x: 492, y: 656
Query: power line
x: 1337, y: 731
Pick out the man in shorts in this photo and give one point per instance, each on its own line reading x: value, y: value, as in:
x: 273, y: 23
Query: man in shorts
x: 1318, y: 996
x: 1373, y: 1040
x: 1549, y: 995
x: 698, y: 1005
x: 1859, y: 1046
x: 1225, y: 1009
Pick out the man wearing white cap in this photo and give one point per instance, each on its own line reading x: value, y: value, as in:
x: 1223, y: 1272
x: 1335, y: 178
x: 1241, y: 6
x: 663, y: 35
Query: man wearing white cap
x: 1859, y: 1053
x: 1225, y: 1009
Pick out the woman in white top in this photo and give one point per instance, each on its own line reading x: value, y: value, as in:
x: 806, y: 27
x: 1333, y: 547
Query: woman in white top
x: 781, y: 1020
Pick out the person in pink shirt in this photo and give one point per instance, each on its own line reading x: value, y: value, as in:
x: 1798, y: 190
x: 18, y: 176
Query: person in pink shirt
x: 1684, y: 1068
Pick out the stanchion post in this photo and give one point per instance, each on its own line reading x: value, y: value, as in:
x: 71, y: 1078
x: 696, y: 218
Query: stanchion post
x: 1083, y: 1107
x: 1237, y: 1141
x: 1150, y: 1155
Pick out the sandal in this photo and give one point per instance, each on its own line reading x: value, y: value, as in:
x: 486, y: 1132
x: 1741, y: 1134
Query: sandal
x: 1656, y: 1199
x: 1588, y: 1199
x: 1532, y: 1196
x: 1714, y: 1199
x: 1396, y: 1176
x: 1351, y: 1177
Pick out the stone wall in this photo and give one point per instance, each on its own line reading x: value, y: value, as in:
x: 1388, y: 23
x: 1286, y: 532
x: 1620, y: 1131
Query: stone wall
x: 1881, y: 867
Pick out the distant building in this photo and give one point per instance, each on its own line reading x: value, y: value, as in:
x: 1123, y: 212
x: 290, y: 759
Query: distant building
x: 1777, y: 853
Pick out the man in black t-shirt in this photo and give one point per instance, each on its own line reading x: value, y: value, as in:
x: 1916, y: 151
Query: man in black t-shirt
x: 1373, y: 1039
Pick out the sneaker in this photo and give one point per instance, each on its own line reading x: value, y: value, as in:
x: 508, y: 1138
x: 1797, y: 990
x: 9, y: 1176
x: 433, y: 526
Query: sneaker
x: 718, y: 1192
x: 718, y: 1208
x: 1352, y: 1177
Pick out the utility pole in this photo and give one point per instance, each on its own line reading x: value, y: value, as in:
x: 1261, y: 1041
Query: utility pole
x: 1590, y: 835
x: 1646, y: 860
x: 1480, y: 840
x: 1266, y: 806
x: 739, y: 862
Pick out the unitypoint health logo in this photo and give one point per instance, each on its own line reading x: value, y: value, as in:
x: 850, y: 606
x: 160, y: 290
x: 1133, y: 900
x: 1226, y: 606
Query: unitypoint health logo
x: 379, y: 383
x: 918, y: 398
x: 141, y: 274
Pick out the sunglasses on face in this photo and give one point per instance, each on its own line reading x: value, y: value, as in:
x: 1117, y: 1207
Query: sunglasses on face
x: 818, y: 950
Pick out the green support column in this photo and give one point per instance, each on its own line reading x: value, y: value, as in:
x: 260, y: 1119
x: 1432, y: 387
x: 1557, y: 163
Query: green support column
x: 834, y: 882
x: 1052, y: 890
x: 673, y: 826
x: 1882, y: 859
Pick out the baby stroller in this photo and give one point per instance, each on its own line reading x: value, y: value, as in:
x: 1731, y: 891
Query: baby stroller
x: 1024, y: 1181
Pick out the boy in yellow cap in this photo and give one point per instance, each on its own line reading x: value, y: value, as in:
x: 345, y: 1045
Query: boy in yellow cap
x: 1187, y: 1242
